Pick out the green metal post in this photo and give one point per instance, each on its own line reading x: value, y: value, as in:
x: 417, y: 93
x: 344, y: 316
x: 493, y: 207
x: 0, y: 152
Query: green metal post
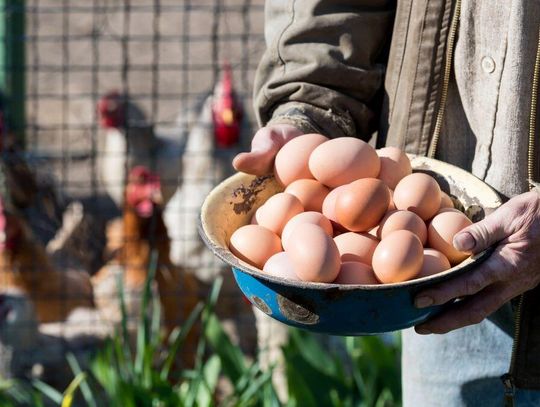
x: 12, y: 65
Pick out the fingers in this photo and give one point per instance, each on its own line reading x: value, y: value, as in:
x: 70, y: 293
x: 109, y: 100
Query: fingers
x: 485, y: 233
x: 264, y: 147
x: 494, y: 269
x: 469, y: 311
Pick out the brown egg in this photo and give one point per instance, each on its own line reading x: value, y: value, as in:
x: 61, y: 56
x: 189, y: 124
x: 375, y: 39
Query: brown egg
x: 434, y: 262
x: 343, y: 160
x: 446, y: 201
x: 395, y: 166
x: 362, y: 204
x: 418, y: 193
x: 441, y: 232
x: 279, y: 265
x: 291, y: 161
x: 254, y: 244
x: 357, y: 247
x: 313, y: 254
x: 353, y: 272
x: 398, y: 257
x: 315, y: 218
x: 310, y: 192
x: 403, y: 220
x: 329, y: 207
x: 277, y: 211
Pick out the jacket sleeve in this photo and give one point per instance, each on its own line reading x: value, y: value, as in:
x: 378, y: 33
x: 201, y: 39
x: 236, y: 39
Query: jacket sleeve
x: 324, y: 64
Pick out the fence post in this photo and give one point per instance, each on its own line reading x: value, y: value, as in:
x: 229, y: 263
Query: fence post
x: 12, y: 66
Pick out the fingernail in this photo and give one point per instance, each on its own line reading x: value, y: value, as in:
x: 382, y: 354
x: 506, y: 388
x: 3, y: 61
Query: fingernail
x: 423, y: 302
x: 464, y: 241
x: 422, y: 331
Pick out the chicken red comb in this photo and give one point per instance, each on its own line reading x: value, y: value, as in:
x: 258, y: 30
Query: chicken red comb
x: 143, y: 191
x: 111, y: 108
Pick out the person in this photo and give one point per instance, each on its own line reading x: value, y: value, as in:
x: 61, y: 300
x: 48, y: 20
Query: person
x: 456, y: 80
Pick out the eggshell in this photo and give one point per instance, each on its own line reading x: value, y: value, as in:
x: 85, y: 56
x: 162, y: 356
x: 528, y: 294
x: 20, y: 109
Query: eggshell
x: 314, y: 254
x: 310, y: 192
x: 441, y: 232
x: 254, y: 244
x: 362, y: 204
x: 279, y: 265
x: 353, y: 272
x: 277, y: 211
x: 357, y: 247
x: 329, y: 207
x: 398, y: 257
x: 395, y: 165
x: 434, y: 262
x: 446, y: 201
x: 315, y: 218
x: 418, y: 193
x: 403, y: 220
x: 392, y: 205
x: 343, y: 160
x: 292, y: 159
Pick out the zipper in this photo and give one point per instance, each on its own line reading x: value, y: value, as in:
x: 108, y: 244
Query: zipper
x: 446, y: 79
x: 508, y: 378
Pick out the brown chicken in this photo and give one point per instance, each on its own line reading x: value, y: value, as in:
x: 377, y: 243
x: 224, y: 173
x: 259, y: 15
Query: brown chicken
x: 144, y: 232
x: 25, y: 265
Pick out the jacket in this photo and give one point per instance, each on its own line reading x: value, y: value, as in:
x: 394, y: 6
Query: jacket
x: 409, y: 71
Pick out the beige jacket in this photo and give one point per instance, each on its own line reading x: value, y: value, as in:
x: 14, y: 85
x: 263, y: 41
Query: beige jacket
x: 350, y: 68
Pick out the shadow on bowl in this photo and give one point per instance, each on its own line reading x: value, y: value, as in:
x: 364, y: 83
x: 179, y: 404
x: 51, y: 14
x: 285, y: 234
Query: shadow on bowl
x: 333, y: 308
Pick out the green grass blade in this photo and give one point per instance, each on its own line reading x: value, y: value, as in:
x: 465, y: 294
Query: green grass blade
x: 85, y: 388
x: 206, y: 391
x: 69, y: 394
x: 177, y: 338
x: 50, y: 392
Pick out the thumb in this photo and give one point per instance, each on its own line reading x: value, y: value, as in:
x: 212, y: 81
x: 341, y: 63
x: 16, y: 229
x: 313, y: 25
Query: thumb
x: 483, y: 234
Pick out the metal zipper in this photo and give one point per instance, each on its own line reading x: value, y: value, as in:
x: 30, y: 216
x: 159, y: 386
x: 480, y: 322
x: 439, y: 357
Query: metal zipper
x: 446, y: 79
x: 508, y: 378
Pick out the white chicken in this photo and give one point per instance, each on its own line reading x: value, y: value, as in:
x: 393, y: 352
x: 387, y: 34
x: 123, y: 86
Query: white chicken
x: 131, y: 141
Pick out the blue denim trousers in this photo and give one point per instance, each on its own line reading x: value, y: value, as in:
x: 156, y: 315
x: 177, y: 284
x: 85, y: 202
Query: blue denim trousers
x: 461, y: 368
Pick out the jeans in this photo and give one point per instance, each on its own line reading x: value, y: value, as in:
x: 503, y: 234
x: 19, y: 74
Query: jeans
x: 462, y: 367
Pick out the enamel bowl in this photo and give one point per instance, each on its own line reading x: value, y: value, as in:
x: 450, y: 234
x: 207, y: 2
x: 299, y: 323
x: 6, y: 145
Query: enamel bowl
x: 333, y: 308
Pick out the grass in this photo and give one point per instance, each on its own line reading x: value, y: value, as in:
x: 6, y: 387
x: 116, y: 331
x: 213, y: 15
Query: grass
x: 365, y: 374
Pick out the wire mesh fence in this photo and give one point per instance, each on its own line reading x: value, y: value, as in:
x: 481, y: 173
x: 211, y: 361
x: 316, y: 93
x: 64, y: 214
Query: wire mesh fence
x: 92, y: 89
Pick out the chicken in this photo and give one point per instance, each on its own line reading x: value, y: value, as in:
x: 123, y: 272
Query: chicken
x: 143, y: 232
x: 131, y: 141
x: 25, y: 265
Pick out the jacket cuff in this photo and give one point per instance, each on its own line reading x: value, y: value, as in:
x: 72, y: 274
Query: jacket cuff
x: 311, y: 119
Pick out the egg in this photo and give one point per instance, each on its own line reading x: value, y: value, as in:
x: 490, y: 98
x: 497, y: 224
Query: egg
x: 279, y: 265
x: 446, y: 201
x: 254, y: 244
x: 392, y: 205
x: 398, y: 257
x: 418, y: 193
x: 353, y: 272
x: 434, y: 262
x: 312, y: 217
x: 403, y: 220
x: 310, y: 192
x: 277, y: 211
x: 441, y: 232
x: 362, y: 204
x: 291, y: 162
x: 329, y: 207
x: 343, y: 160
x: 357, y: 247
x: 395, y: 165
x: 313, y: 253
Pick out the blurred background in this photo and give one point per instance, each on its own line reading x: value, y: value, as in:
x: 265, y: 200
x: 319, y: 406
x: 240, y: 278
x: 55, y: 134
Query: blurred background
x: 116, y: 119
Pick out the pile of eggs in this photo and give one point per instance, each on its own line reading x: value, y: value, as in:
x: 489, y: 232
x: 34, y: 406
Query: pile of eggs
x: 350, y: 214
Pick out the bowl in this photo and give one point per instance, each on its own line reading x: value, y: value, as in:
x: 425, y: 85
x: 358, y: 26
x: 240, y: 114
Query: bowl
x: 334, y: 308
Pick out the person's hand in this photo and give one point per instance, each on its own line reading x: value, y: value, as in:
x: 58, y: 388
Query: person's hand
x: 513, y: 268
x: 264, y: 147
